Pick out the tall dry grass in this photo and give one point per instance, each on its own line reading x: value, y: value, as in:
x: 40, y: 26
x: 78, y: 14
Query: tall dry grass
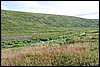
x: 41, y: 55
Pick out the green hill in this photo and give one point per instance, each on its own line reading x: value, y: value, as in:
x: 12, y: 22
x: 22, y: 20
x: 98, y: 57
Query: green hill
x: 35, y: 39
x: 25, y: 22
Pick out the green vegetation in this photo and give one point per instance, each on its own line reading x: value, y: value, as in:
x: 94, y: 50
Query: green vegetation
x: 65, y: 39
x: 35, y: 39
x: 15, y: 23
x: 80, y: 54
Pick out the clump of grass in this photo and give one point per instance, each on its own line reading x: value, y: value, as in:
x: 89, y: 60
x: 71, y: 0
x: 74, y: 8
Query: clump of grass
x: 60, y: 55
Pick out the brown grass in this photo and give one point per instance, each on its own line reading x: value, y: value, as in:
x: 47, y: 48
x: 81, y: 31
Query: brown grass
x: 41, y: 55
x: 8, y: 53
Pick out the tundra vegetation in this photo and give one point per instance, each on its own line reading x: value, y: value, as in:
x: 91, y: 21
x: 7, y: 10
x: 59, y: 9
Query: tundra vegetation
x: 35, y: 39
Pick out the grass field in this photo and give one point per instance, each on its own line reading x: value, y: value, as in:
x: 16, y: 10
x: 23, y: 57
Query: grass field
x: 33, y: 39
x: 79, y: 54
x: 84, y: 51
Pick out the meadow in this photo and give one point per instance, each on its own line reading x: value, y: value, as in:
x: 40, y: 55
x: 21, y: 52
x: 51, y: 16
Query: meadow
x: 33, y: 39
x: 76, y: 50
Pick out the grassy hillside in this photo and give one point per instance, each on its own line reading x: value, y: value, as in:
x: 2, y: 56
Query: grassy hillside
x: 15, y: 22
x: 34, y: 39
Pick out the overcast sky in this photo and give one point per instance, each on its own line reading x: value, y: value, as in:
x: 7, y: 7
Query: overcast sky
x: 84, y: 9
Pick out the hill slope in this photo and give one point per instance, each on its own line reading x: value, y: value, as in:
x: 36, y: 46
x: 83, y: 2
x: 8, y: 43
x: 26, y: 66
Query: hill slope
x: 12, y: 21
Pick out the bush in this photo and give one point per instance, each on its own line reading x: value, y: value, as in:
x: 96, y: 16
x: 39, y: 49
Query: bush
x: 50, y: 38
x: 10, y: 43
x: 69, y: 41
x: 18, y: 45
x: 28, y: 41
x: 34, y: 40
x: 44, y: 39
x: 15, y: 41
x: 24, y: 41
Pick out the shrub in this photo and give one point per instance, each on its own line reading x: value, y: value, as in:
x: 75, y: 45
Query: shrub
x: 69, y: 41
x: 44, y: 39
x: 18, y: 45
x: 50, y: 38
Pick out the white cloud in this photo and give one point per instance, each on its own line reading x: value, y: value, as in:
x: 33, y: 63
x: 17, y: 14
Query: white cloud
x: 75, y: 7
x: 90, y: 16
x: 30, y: 4
x: 71, y: 8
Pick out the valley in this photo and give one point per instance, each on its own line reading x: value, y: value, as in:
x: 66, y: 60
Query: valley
x: 35, y: 39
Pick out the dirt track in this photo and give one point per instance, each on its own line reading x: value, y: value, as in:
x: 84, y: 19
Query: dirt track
x: 16, y: 37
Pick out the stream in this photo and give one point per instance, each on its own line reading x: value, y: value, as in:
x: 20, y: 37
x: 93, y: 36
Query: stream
x: 44, y: 42
x: 62, y: 39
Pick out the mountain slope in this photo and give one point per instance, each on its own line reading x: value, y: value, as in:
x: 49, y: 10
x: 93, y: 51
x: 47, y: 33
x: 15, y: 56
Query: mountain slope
x: 12, y: 21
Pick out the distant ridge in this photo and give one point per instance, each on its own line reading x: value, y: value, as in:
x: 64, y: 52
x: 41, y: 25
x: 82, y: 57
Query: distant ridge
x: 15, y: 20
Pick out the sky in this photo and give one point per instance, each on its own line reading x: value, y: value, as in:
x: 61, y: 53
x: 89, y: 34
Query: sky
x: 83, y: 9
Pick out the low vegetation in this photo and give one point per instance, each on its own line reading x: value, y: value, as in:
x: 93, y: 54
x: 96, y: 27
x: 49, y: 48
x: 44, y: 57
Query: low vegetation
x: 14, y: 23
x: 79, y: 54
x: 34, y: 39
x: 73, y: 52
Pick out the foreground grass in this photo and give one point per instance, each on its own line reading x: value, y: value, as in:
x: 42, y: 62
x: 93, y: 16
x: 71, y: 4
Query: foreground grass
x: 78, y: 54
